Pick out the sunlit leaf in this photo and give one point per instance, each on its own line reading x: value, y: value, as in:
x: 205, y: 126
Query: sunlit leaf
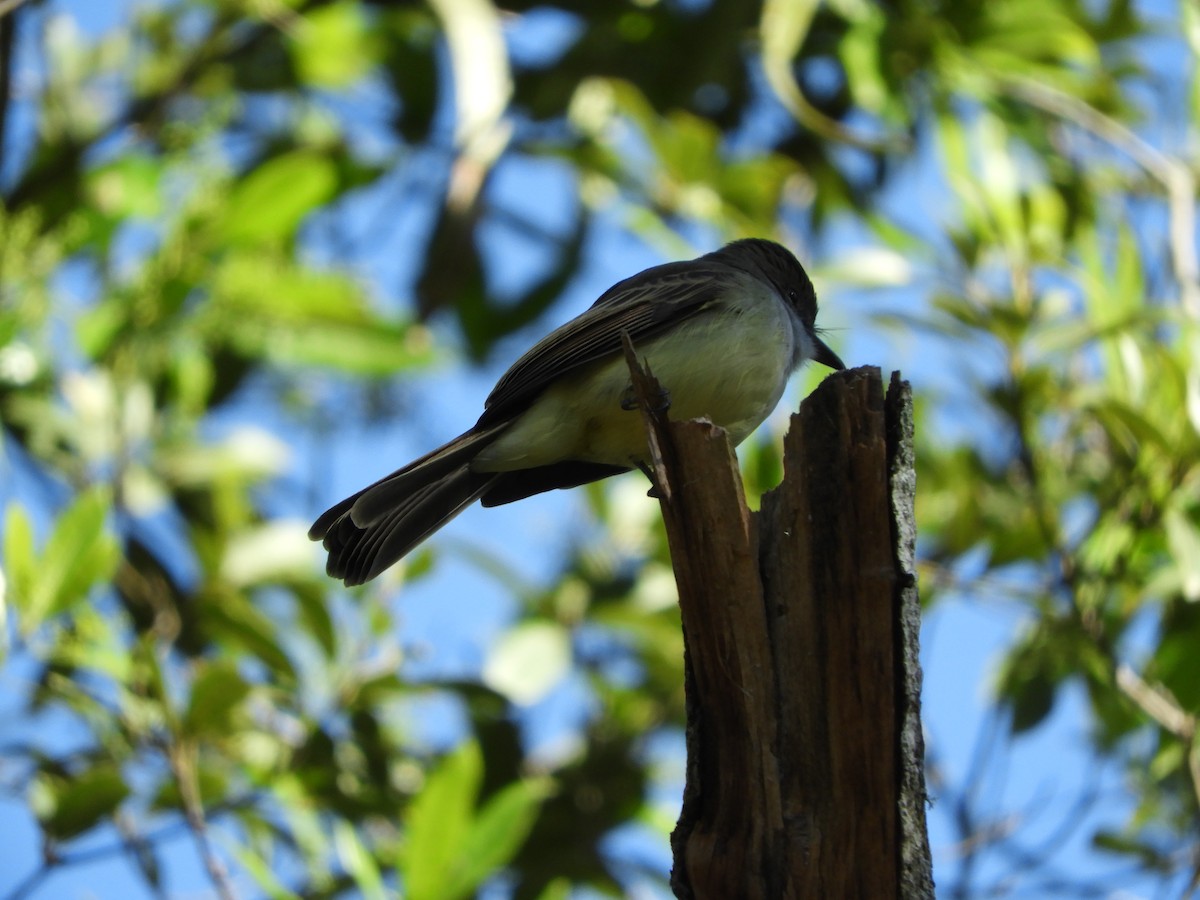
x: 528, y: 661
x: 270, y: 202
x: 128, y: 187
x: 268, y: 552
x: 499, y: 830
x: 1183, y: 537
x: 313, y: 608
x: 359, y: 861
x: 331, y: 47
x: 79, y: 554
x: 439, y: 821
x: 20, y: 561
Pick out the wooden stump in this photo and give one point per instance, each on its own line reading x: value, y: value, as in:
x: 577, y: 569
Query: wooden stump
x: 804, y: 773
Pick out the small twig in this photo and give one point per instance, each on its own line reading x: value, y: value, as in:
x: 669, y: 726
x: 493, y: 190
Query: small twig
x: 1159, y: 704
x: 983, y: 836
x: 141, y: 853
x: 1174, y: 175
x: 182, y: 758
x: 645, y: 389
x: 33, y: 880
x: 781, y: 35
x: 1156, y: 702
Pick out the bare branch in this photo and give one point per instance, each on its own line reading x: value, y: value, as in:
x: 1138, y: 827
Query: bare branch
x: 1160, y: 705
x: 7, y: 7
x: 1173, y: 174
x: 182, y: 756
x: 1156, y: 702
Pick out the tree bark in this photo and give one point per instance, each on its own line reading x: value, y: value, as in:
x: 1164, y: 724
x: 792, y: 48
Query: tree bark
x: 804, y: 772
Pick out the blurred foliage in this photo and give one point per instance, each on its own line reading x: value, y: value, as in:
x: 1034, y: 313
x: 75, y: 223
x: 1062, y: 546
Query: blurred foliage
x: 188, y: 200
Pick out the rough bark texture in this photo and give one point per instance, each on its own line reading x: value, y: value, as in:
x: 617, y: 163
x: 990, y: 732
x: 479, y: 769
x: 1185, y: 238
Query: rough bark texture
x: 804, y: 776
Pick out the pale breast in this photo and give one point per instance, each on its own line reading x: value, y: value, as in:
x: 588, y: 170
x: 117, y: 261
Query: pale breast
x: 730, y: 365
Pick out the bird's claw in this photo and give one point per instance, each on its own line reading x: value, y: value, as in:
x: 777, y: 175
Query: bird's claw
x: 661, y: 404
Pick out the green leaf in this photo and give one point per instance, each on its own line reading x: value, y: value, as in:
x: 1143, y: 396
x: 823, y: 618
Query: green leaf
x: 1148, y: 855
x: 272, y: 286
x: 128, y: 187
x: 370, y: 349
x: 331, y: 46
x: 217, y: 692
x: 78, y: 554
x: 558, y: 889
x: 270, y: 202
x: 313, y: 608
x: 98, y: 326
x: 999, y: 182
x: 1032, y: 672
x: 1183, y: 538
x: 1031, y: 699
x: 358, y: 861
x: 71, y: 806
x: 861, y: 53
x: 260, y: 870
x: 439, y: 821
x: 1032, y: 30
x: 497, y: 833
x: 246, y: 454
x: 755, y: 187
x: 268, y: 308
x: 1176, y: 664
x: 376, y: 689
x: 1128, y: 427
x: 1190, y: 15
x: 231, y: 616
x: 212, y: 782
x: 452, y: 848
x: 782, y: 30
x: 20, y: 562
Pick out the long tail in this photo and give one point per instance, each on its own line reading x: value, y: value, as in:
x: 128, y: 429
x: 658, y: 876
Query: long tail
x: 357, y: 555
x: 372, y: 529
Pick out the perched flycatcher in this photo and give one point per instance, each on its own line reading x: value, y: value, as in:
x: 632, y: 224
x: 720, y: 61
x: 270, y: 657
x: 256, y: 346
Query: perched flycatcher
x: 721, y: 333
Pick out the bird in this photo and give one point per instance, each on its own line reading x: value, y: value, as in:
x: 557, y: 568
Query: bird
x: 722, y: 333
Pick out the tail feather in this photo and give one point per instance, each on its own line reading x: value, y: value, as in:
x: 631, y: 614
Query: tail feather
x: 372, y: 529
x: 380, y: 498
x: 358, y: 554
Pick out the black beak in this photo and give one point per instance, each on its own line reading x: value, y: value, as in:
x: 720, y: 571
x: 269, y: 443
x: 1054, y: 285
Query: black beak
x: 825, y: 356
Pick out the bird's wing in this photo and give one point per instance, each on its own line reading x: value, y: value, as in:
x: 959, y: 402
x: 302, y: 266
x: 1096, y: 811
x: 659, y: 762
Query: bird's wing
x: 644, y: 305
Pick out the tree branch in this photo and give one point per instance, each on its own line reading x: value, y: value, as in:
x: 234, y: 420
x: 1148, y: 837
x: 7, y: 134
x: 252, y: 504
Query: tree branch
x: 1158, y: 703
x: 182, y: 757
x: 1174, y: 175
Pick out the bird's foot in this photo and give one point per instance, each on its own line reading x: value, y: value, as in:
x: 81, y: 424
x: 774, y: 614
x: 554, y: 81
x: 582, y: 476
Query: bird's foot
x: 659, y: 405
